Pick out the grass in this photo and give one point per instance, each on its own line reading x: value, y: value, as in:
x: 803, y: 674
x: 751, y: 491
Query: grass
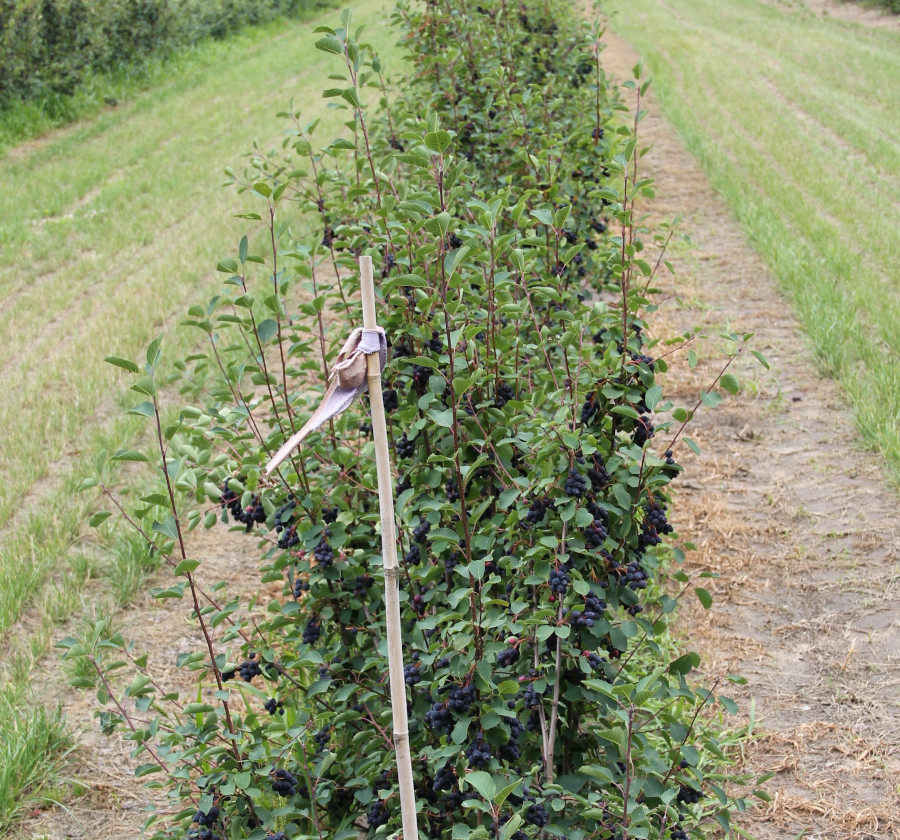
x: 109, y: 229
x: 794, y: 117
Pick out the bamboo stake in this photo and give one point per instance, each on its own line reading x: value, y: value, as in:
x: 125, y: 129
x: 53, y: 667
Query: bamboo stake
x: 391, y: 566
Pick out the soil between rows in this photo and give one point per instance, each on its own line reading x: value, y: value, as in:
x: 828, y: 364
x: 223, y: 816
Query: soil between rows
x: 798, y: 521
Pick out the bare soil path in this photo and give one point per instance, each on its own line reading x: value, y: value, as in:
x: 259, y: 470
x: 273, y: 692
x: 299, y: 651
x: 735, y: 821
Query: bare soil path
x: 797, y: 520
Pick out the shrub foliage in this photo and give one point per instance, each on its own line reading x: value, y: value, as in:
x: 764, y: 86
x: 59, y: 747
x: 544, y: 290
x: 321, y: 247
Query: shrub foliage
x: 48, y: 46
x: 495, y: 187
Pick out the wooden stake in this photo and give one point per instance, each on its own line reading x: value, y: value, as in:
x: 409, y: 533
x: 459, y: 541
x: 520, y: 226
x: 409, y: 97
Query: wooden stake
x: 391, y: 566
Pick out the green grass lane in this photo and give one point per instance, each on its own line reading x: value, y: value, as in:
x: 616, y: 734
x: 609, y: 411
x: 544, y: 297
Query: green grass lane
x: 108, y: 230
x: 795, y: 118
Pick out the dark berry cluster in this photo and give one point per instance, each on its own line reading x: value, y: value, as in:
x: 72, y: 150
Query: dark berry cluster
x: 598, y: 474
x: 589, y: 408
x: 251, y: 514
x: 445, y: 778
x: 596, y: 662
x: 322, y: 737
x: 435, y: 344
x: 655, y: 525
x: 559, y: 582
x: 274, y: 706
x: 411, y: 674
x: 312, y: 630
x: 594, y: 603
x: 438, y: 717
x: 531, y: 698
x: 283, y: 782
x: 390, y: 399
x: 538, y: 815
x: 643, y: 430
x: 504, y: 394
x: 461, y: 698
x: 362, y: 584
x: 285, y: 526
x: 249, y: 668
x: 406, y: 448
x: 508, y: 657
x: 420, y: 377
x: 211, y: 817
x: 678, y: 833
x: 420, y: 532
x: 635, y: 576
x: 575, y: 485
x: 688, y: 795
x: 596, y: 533
x: 203, y: 834
x: 478, y: 753
x: 378, y: 814
x: 300, y: 586
x: 538, y: 509
x: 414, y: 556
x: 323, y: 553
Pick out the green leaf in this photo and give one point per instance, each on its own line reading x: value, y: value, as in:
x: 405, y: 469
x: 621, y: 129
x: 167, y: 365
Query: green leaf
x: 266, y: 330
x: 730, y: 383
x: 705, y: 598
x: 145, y: 409
x: 710, y: 398
x: 583, y: 518
x: 242, y: 249
x: 437, y: 141
x: 130, y: 455
x: 330, y: 44
x: 186, y: 566
x: 443, y: 418
x: 167, y: 528
x: 126, y: 364
x: 761, y: 359
x: 483, y: 783
x: 653, y: 396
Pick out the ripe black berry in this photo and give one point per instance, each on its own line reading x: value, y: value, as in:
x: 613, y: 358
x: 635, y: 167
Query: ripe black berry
x: 508, y: 657
x: 420, y: 532
x: 559, y: 582
x: 537, y: 815
x: 323, y: 553
x: 478, y: 753
x: 405, y: 448
x: 312, y: 631
x: 390, y: 399
x: 575, y: 484
x: 249, y: 669
x: 504, y: 394
x: 283, y: 783
x: 274, y: 706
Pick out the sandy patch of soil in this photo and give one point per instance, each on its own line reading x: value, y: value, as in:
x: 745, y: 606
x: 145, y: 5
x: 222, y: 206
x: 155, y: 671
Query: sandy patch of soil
x: 797, y: 520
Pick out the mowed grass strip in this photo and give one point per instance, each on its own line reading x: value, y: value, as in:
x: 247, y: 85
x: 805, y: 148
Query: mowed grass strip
x: 795, y: 118
x: 109, y: 230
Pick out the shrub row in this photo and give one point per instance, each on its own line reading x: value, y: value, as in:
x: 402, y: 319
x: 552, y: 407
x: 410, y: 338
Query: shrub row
x: 48, y: 46
x: 496, y: 191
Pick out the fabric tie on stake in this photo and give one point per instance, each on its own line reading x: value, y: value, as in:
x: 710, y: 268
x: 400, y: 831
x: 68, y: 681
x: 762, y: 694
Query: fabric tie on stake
x: 348, y: 381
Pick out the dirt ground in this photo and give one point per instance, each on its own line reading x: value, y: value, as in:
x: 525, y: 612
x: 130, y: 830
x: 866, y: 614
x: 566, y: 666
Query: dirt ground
x: 799, y: 523
x: 797, y: 520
